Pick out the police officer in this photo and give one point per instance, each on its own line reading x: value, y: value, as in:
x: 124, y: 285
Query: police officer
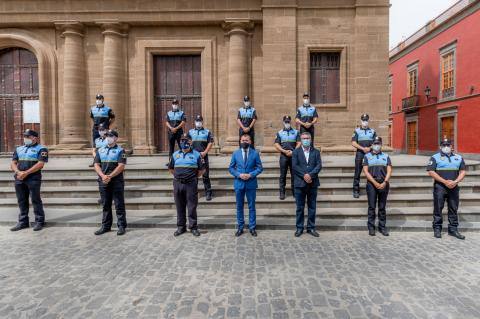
x: 27, y: 163
x: 100, y: 114
x: 362, y: 139
x: 307, y: 116
x: 448, y: 170
x: 186, y: 165
x: 110, y: 162
x: 175, y: 122
x: 202, y: 142
x: 100, y: 141
x: 247, y: 116
x: 377, y: 167
x: 286, y: 141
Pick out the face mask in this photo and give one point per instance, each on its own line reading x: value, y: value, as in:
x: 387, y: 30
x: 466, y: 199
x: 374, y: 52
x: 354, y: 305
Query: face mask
x: 110, y: 140
x: 102, y: 133
x: 287, y: 126
x: 306, y: 142
x: 446, y: 149
x: 198, y: 124
x: 174, y: 107
x: 376, y: 147
x: 184, y: 145
x: 365, y: 123
x: 244, y: 145
x: 99, y: 102
x: 247, y: 103
x: 306, y: 101
x: 27, y: 141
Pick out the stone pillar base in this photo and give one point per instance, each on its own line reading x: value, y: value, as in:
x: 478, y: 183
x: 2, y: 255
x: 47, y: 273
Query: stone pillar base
x: 144, y: 150
x: 231, y: 145
x: 72, y: 146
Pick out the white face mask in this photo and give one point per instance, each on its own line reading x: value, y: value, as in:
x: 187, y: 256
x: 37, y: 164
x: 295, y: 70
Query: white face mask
x: 27, y: 141
x: 306, y: 101
x: 174, y: 107
x: 376, y: 147
x: 198, y: 124
x: 99, y: 102
x: 364, y: 123
x: 246, y: 103
x: 102, y: 133
x: 446, y: 149
x: 287, y: 125
x: 110, y: 140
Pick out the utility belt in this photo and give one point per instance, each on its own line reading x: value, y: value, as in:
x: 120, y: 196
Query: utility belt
x: 185, y: 180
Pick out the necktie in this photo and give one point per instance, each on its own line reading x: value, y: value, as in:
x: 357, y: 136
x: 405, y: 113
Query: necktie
x: 245, y: 157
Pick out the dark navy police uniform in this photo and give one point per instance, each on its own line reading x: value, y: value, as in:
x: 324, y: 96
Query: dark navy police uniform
x: 200, y: 140
x: 100, y: 142
x: 364, y: 137
x: 174, y: 118
x: 109, y: 158
x: 306, y: 114
x: 448, y: 167
x: 246, y: 115
x: 377, y: 167
x: 287, y: 139
x: 185, y: 191
x: 100, y: 115
x: 26, y: 157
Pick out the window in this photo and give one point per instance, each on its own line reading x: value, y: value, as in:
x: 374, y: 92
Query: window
x: 447, y: 81
x: 325, y: 77
x: 412, y: 82
x: 390, y: 88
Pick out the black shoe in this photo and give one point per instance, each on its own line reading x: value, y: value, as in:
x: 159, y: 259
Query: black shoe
x: 299, y: 232
x: 384, y: 232
x: 253, y: 232
x: 456, y: 234
x: 239, y: 233
x: 313, y: 233
x: 371, y: 231
x: 209, y: 196
x: 18, y: 227
x: 91, y: 165
x: 356, y: 194
x: 437, y: 233
x: 282, y: 195
x: 121, y: 231
x: 37, y: 226
x: 102, y: 231
x: 179, y: 231
x: 195, y: 232
x: 166, y: 165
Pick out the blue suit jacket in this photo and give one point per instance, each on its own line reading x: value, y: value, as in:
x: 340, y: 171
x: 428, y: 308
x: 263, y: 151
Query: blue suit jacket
x: 301, y: 167
x: 253, y: 167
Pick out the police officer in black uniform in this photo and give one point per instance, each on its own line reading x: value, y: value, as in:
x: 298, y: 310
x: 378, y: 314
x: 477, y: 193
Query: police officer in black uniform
x: 247, y: 116
x: 362, y: 139
x: 186, y: 165
x: 202, y: 142
x: 175, y: 122
x: 307, y: 116
x: 287, y: 140
x: 27, y: 163
x: 448, y: 170
x: 110, y: 163
x: 377, y: 167
x: 100, y: 114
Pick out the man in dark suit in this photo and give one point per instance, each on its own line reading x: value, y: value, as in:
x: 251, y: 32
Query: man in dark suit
x: 307, y: 163
x: 245, y: 166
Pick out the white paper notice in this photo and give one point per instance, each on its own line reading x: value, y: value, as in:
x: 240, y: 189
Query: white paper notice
x: 31, y: 111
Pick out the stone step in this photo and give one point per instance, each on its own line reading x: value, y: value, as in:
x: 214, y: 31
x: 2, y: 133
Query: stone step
x: 228, y: 202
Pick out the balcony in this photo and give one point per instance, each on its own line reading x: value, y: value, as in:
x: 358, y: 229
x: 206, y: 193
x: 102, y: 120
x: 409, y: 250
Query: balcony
x: 411, y: 103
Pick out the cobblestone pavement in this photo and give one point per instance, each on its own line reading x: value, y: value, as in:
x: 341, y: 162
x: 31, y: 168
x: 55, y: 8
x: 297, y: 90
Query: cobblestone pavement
x: 69, y: 273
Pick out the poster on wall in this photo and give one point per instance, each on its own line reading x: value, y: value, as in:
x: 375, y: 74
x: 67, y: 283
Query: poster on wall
x: 31, y: 111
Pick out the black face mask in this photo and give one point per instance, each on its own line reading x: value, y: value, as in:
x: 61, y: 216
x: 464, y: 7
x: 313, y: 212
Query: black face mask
x: 244, y: 145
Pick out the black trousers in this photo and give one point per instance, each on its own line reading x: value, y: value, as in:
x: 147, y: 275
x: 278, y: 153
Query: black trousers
x: 186, y: 197
x: 285, y: 165
x: 358, y: 170
x: 440, y: 194
x: 95, y: 135
x: 310, y: 130
x: 25, y: 189
x: 377, y: 196
x: 206, y: 176
x: 309, y: 195
x: 251, y: 133
x: 113, y: 191
x: 172, y: 139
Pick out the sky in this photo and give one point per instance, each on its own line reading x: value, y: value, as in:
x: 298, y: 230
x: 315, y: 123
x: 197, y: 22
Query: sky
x: 407, y: 16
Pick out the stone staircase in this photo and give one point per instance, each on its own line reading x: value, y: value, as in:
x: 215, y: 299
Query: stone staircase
x: 70, y: 195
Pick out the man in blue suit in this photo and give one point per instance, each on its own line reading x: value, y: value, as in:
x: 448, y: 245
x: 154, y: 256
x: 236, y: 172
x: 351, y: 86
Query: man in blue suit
x: 245, y: 166
x: 306, y: 163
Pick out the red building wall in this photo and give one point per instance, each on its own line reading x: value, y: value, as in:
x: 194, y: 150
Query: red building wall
x: 467, y: 57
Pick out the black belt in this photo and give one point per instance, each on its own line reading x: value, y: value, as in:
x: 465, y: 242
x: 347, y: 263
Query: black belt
x: 185, y: 180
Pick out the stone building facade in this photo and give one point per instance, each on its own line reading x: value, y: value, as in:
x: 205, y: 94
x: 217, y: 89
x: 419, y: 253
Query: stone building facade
x: 210, y: 53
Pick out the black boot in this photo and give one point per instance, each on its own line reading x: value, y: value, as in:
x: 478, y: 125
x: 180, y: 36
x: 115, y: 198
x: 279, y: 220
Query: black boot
x: 282, y: 194
x: 121, y: 231
x: 37, y: 226
x: 384, y: 231
x: 356, y: 194
x: 102, y: 231
x: 371, y: 231
x: 18, y: 227
x: 456, y: 234
x: 437, y: 233
x: 208, y: 195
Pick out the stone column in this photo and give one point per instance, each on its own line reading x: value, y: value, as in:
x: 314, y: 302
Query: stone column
x: 237, y: 30
x: 114, y: 73
x: 72, y: 127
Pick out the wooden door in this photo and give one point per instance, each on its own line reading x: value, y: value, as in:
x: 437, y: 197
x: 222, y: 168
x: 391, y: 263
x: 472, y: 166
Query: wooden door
x: 175, y: 76
x: 448, y: 128
x: 412, y: 138
x: 18, y: 82
x: 325, y: 77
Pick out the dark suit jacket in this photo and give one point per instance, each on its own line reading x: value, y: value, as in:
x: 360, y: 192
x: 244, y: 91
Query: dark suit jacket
x: 301, y: 167
x: 238, y: 166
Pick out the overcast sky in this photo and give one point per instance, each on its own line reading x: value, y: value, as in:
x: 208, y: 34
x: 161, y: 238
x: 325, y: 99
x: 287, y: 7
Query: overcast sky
x: 407, y: 16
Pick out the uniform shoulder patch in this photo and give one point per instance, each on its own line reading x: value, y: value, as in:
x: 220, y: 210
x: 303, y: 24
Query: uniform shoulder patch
x: 44, y: 153
x: 124, y: 155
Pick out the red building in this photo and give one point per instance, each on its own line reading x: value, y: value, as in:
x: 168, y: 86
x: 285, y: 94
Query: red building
x: 435, y: 84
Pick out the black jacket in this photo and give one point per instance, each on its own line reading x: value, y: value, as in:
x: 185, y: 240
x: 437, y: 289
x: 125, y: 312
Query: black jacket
x: 301, y: 167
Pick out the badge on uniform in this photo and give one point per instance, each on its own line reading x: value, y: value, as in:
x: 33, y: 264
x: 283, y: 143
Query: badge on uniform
x: 124, y: 155
x: 190, y: 157
x: 178, y: 156
x: 43, y: 154
x: 442, y: 158
x: 430, y: 163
